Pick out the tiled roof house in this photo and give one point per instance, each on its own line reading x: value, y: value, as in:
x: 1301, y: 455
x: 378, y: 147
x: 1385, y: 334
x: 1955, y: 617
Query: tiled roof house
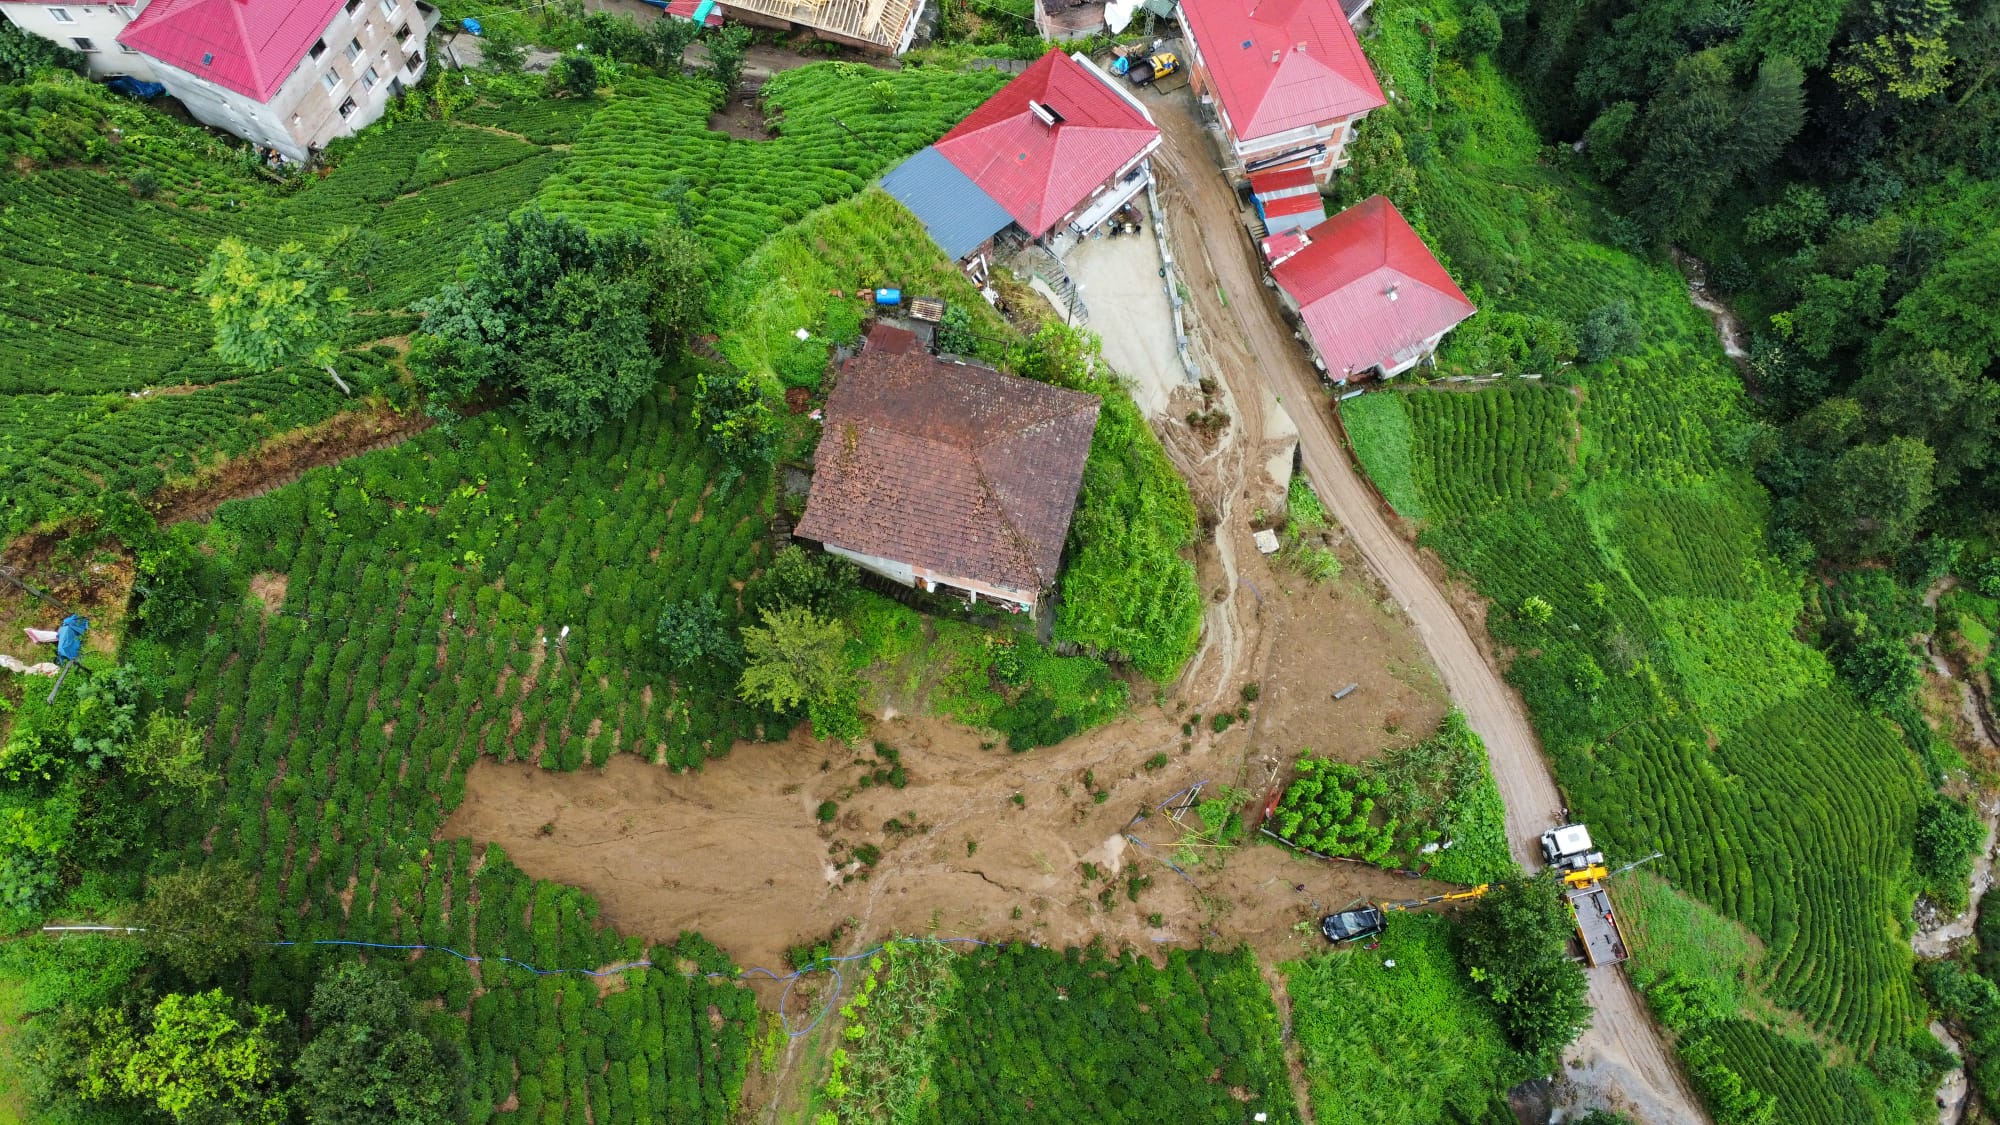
x: 948, y: 476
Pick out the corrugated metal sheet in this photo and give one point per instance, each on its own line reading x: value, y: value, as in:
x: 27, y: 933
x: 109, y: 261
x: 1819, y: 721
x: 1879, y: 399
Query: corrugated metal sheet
x: 1039, y: 168
x: 1282, y: 64
x: 958, y: 215
x: 1283, y: 181
x: 1369, y: 290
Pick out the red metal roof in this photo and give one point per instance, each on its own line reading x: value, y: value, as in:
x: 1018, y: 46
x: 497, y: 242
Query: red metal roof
x: 1294, y: 205
x: 686, y: 9
x: 1284, y: 244
x: 1369, y: 290
x: 1285, y: 179
x: 1037, y: 171
x: 1281, y: 64
x: 249, y: 46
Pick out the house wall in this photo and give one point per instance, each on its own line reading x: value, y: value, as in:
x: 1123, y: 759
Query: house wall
x: 99, y: 24
x: 925, y: 578
x: 304, y: 114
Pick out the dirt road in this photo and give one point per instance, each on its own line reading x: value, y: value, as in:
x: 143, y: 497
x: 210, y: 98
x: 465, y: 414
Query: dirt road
x: 1238, y: 327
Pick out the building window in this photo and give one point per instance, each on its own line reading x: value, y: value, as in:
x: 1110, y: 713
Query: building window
x: 60, y: 15
x: 318, y: 49
x: 83, y: 44
x: 403, y: 34
x: 347, y: 108
x: 369, y: 78
x: 351, y: 5
x: 353, y: 49
x: 126, y: 49
x: 389, y: 6
x: 331, y: 80
x: 416, y: 62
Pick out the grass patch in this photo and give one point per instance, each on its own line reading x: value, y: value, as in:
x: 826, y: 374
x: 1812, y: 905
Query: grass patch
x: 1409, y: 1045
x: 1378, y: 427
x: 1671, y: 933
x: 808, y: 277
x: 997, y: 680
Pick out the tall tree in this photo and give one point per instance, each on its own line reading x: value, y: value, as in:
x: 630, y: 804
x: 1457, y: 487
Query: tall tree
x: 1794, y: 29
x: 1516, y: 946
x: 1700, y: 134
x: 1941, y: 400
x: 273, y: 307
x: 545, y: 310
x: 1902, y: 53
x: 201, y: 919
x: 1866, y: 503
x: 202, y: 1059
x: 797, y: 658
x: 368, y: 1062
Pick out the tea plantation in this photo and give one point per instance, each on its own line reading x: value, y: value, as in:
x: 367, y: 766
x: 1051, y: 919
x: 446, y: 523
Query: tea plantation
x: 1622, y: 547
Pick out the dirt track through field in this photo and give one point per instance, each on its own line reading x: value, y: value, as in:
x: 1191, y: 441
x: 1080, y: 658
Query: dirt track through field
x: 1622, y: 1056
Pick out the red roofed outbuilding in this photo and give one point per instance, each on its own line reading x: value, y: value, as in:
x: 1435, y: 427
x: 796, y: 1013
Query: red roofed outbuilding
x: 1372, y: 296
x: 1286, y: 77
x: 288, y: 75
x: 1057, y: 150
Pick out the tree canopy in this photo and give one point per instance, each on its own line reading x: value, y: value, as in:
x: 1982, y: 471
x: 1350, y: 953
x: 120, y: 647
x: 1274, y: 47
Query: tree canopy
x: 568, y: 321
x: 273, y: 307
x: 369, y: 1063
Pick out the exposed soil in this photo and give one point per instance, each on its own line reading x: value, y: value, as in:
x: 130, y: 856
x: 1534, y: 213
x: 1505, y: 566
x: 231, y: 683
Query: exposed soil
x: 269, y: 589
x: 285, y: 459
x: 743, y: 116
x: 736, y: 852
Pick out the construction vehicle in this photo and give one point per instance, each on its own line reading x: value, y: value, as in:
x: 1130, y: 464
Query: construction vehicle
x: 1568, y: 849
x: 1157, y: 65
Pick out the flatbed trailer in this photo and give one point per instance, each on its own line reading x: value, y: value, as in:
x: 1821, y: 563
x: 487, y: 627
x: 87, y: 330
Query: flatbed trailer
x: 1603, y: 944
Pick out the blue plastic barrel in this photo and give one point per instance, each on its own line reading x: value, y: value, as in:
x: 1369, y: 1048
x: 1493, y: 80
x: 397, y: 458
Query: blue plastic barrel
x: 888, y: 296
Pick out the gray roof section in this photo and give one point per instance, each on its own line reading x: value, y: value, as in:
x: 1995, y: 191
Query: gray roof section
x: 958, y: 215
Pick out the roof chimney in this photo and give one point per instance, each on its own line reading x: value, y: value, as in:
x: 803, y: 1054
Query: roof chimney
x: 1274, y: 57
x: 1392, y: 292
x: 1302, y: 46
x: 1047, y: 115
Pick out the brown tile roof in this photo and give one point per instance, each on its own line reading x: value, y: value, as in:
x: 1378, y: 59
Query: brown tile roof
x: 952, y: 467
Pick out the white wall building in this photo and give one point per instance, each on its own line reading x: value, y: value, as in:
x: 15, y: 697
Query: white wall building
x: 90, y: 28
x: 287, y: 76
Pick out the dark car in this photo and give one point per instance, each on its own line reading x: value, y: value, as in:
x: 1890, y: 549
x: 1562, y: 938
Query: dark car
x: 1352, y: 925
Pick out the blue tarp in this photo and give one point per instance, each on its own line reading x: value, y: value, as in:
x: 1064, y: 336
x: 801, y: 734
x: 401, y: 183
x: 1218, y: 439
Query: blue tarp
x: 69, y: 638
x: 958, y: 215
